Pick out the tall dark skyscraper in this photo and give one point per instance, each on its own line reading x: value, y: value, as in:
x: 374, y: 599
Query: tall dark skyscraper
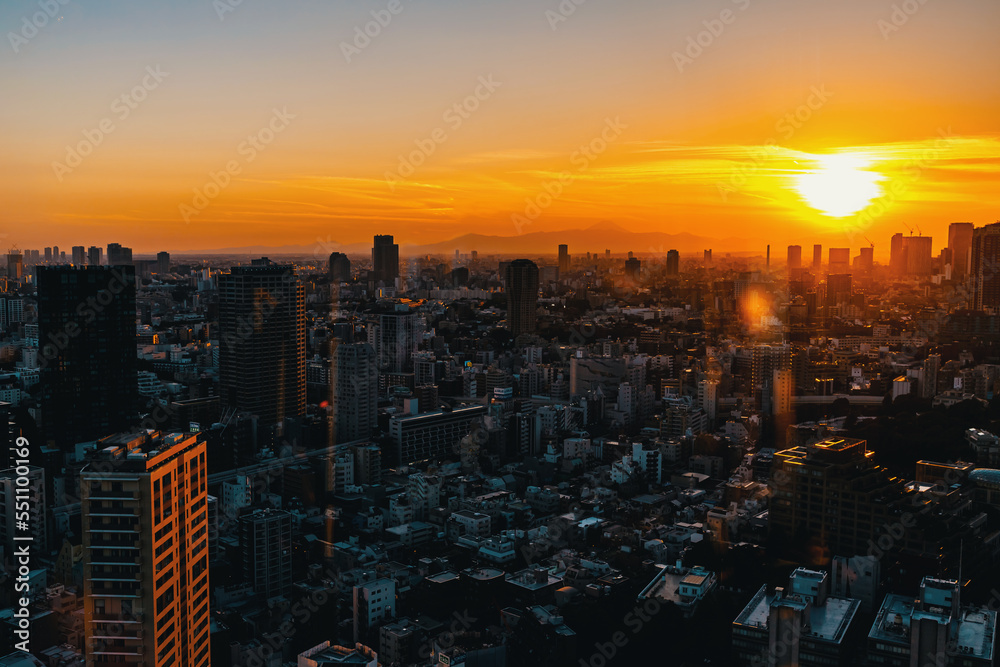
x: 93, y: 255
x: 86, y: 323
x: 340, y: 267
x: 163, y: 262
x: 262, y: 331
x: 794, y: 257
x: 960, y: 243
x: 79, y: 253
x: 673, y: 263
x: 385, y: 260
x: 522, y: 295
x: 985, y: 267
x: 563, y: 258
x: 119, y: 255
x: 354, y: 390
x: 817, y: 256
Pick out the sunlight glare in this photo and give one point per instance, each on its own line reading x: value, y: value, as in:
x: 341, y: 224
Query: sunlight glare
x: 841, y: 186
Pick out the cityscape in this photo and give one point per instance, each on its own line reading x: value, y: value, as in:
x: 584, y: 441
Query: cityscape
x: 559, y: 334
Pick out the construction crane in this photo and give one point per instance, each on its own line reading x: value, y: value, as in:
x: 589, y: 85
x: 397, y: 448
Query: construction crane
x: 870, y: 242
x: 908, y: 227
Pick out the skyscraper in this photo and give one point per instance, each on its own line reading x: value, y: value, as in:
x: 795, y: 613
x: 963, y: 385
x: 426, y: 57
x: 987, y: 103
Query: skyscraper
x: 79, y: 254
x: 163, y: 262
x: 385, y: 260
x: 985, y: 267
x: 919, y: 250
x: 119, y: 255
x: 15, y: 265
x: 522, y: 295
x: 86, y: 324
x: 266, y: 543
x: 93, y: 255
x: 673, y: 263
x: 262, y: 327
x: 840, y: 260
x: 960, y: 244
x: 765, y: 360
x: 340, y: 267
x: 354, y: 390
x: 563, y: 258
x: 838, y: 289
x: 817, y: 256
x: 397, y: 330
x: 794, y: 257
x: 145, y: 547
x: 633, y: 267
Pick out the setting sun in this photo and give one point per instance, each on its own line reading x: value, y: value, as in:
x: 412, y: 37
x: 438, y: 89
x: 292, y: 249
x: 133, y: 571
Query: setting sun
x: 841, y: 185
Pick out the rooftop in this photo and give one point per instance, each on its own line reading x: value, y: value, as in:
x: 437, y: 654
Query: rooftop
x: 828, y: 623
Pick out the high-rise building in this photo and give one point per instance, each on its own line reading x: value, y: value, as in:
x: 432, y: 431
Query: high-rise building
x: 960, y: 245
x: 93, y: 255
x: 840, y: 260
x: 431, y: 434
x: 163, y: 262
x: 522, y: 295
x: 563, y: 258
x: 919, y: 258
x: 55, y: 254
x: 817, y: 256
x: 15, y: 265
x: 11, y: 493
x: 119, y: 255
x: 354, y: 390
x: 865, y: 261
x: 262, y: 333
x: 79, y: 255
x: 708, y: 256
x: 395, y: 335
x: 87, y: 355
x: 339, y: 268
x: 385, y: 260
x: 673, y: 263
x: 765, y: 360
x: 985, y: 267
x: 145, y: 544
x: 794, y: 257
x: 374, y: 602
x: 838, y: 289
x: 48, y: 255
x: 633, y: 267
x: 266, y: 543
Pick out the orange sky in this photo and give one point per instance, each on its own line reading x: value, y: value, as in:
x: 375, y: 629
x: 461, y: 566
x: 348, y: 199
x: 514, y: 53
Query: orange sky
x: 682, y: 146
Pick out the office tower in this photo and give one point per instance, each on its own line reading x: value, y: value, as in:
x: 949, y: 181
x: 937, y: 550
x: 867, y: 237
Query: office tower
x: 865, y: 260
x: 55, y: 254
x: 163, y: 262
x: 817, y: 256
x: 11, y: 493
x: 708, y: 256
x: 932, y: 366
x: 431, y: 434
x: 94, y: 254
x: 960, y: 245
x: 985, y: 267
x: 266, y: 543
x: 799, y: 624
x: 840, y: 260
x: 673, y: 263
x: 563, y: 258
x: 374, y: 602
x: 262, y: 335
x: 522, y: 296
x: 119, y: 255
x: 897, y: 256
x: 339, y: 268
x: 836, y: 492
x: 354, y: 390
x: 633, y: 267
x: 765, y: 359
x: 79, y: 253
x: 782, y: 386
x: 767, y: 260
x: 395, y: 335
x: 86, y: 326
x: 145, y: 544
x: 919, y: 260
x: 794, y: 257
x: 385, y: 260
x: 838, y: 289
x: 48, y: 255
x: 708, y: 398
x: 15, y: 265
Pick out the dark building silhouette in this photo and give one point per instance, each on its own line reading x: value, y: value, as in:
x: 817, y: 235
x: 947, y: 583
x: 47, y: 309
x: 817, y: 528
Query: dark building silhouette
x: 794, y: 257
x: 633, y: 267
x: 340, y: 267
x: 163, y: 262
x: 985, y: 267
x: 86, y: 323
x: 673, y: 263
x: 118, y: 254
x: 354, y: 390
x: 563, y: 258
x: 522, y: 295
x: 817, y: 256
x: 262, y: 329
x: 960, y: 245
x: 385, y: 260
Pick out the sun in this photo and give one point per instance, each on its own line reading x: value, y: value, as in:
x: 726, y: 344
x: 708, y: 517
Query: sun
x: 841, y: 186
